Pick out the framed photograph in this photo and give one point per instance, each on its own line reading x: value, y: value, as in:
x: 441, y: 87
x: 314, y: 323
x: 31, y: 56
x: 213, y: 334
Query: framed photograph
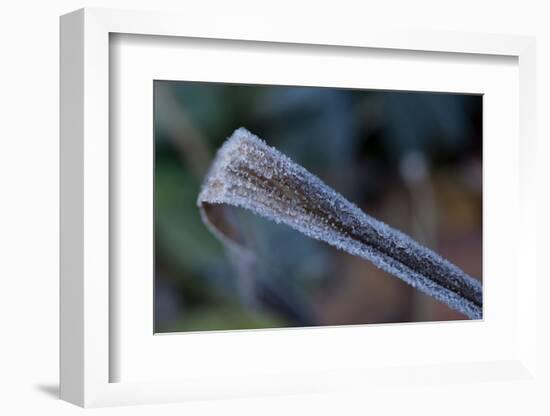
x: 263, y: 211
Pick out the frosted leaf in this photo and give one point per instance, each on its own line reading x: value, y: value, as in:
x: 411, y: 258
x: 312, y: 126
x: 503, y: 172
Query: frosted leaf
x: 248, y: 173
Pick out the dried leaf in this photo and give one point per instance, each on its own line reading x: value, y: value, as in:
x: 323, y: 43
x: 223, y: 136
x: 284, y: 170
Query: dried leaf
x: 248, y: 173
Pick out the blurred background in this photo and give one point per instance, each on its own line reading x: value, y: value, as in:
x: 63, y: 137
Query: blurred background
x: 410, y: 159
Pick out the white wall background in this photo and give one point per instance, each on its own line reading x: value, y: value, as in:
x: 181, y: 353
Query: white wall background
x: 29, y: 201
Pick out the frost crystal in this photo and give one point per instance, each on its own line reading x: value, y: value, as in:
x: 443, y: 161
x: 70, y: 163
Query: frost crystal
x: 248, y: 173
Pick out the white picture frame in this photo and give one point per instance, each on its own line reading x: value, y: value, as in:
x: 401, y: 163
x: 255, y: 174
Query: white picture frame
x: 87, y: 302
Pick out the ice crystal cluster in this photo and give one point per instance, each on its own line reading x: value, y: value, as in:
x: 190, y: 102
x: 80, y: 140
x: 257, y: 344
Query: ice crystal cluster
x: 248, y: 173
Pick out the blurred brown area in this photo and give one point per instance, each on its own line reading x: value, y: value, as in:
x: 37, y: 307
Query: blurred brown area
x: 366, y: 294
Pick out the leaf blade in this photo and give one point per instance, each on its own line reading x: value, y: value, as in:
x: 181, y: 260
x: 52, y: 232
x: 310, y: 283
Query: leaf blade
x: 249, y: 174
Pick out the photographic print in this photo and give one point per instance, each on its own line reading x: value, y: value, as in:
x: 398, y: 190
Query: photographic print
x: 288, y: 206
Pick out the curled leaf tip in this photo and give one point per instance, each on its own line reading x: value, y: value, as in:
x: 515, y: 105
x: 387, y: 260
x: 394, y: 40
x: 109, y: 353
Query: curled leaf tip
x: 250, y: 174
